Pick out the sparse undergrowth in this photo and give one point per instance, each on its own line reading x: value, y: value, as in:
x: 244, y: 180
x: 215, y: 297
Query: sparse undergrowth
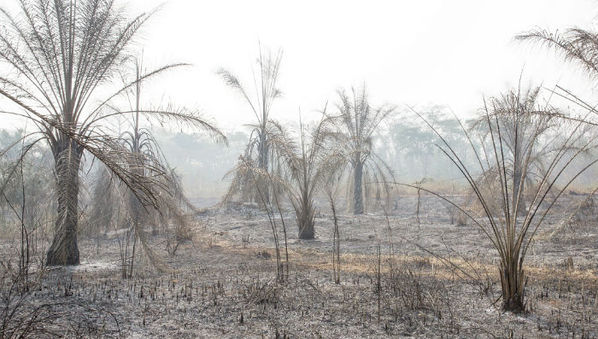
x: 225, y: 286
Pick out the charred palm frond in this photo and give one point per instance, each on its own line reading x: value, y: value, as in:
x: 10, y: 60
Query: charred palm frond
x: 575, y: 45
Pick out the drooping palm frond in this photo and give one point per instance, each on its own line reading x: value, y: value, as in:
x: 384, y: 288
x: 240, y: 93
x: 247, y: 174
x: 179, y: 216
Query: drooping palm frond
x: 574, y: 44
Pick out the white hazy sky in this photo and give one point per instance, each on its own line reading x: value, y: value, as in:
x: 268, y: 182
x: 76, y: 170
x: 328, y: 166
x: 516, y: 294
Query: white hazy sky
x: 407, y: 52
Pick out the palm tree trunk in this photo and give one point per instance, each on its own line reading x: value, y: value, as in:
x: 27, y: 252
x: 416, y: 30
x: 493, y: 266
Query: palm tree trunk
x: 517, y: 186
x: 513, y: 283
x: 263, y: 162
x: 306, y: 229
x: 358, y: 189
x: 64, y: 249
x: 305, y: 221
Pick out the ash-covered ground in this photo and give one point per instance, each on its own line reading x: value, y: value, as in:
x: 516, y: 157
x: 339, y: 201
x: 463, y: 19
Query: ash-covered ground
x: 399, y: 278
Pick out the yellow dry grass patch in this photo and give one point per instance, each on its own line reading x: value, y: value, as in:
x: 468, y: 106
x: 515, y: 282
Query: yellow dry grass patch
x: 449, y: 268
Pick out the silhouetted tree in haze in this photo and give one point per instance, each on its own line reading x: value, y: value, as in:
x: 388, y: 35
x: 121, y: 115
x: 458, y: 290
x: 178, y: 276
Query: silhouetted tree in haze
x: 355, y: 124
x: 307, y: 167
x: 522, y: 121
x: 260, y: 149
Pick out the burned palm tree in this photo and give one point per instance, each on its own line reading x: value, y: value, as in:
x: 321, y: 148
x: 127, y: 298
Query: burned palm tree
x: 259, y: 149
x: 522, y: 121
x: 145, y: 159
x: 307, y: 167
x: 304, y: 169
x: 59, y: 54
x: 509, y: 234
x: 355, y: 124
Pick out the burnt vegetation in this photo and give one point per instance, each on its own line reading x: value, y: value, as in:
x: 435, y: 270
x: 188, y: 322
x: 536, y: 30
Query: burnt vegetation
x: 372, y: 219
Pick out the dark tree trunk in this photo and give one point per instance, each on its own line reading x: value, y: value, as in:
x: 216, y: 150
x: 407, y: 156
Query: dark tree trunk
x: 358, y: 189
x: 263, y: 152
x: 517, y: 185
x: 513, y: 285
x: 263, y: 162
x: 306, y: 226
x: 305, y: 218
x: 306, y: 231
x: 336, y: 247
x: 135, y: 206
x: 64, y: 249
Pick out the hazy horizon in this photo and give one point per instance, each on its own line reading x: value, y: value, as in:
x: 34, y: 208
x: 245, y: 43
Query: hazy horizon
x: 429, y: 53
x: 425, y: 53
